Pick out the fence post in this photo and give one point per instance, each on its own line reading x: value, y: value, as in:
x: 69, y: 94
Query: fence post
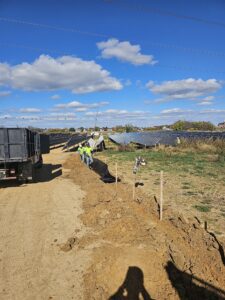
x: 134, y: 183
x: 116, y: 175
x: 161, y: 195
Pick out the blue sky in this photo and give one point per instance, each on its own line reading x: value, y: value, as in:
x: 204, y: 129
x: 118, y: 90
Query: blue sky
x: 142, y: 62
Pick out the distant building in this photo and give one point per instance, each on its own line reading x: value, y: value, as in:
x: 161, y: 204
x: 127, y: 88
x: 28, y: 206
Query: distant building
x: 166, y: 128
x: 221, y: 125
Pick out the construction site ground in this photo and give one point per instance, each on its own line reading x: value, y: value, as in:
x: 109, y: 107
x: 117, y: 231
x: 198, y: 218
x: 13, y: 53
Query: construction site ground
x: 71, y: 236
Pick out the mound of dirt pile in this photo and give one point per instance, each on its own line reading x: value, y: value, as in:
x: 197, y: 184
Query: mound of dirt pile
x: 135, y: 256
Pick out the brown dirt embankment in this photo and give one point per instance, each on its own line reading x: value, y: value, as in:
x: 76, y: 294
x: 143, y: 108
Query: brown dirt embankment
x: 135, y: 256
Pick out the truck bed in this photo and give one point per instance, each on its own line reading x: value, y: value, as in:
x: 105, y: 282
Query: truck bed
x: 17, y: 144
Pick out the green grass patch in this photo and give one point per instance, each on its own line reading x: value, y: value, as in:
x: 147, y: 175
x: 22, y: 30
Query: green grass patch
x: 202, y: 208
x: 192, y: 163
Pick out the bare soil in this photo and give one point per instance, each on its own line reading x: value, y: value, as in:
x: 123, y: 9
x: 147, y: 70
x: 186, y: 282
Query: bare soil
x: 37, y: 222
x: 71, y: 236
x: 135, y: 256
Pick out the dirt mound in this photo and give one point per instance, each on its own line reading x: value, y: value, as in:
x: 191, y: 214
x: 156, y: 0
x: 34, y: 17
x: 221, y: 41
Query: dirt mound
x: 135, y: 256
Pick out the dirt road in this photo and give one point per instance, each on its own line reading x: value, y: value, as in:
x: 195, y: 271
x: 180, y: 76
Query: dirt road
x: 35, y: 221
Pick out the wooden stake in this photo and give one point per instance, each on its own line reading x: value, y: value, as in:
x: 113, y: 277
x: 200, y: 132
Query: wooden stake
x: 116, y: 175
x: 161, y: 195
x: 134, y: 186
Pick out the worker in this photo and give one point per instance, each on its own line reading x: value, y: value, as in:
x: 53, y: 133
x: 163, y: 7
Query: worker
x: 81, y: 152
x: 88, y: 155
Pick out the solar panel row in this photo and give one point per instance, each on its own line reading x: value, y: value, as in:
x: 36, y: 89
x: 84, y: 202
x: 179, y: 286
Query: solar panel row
x: 75, y: 140
x: 58, y: 138
x: 162, y: 137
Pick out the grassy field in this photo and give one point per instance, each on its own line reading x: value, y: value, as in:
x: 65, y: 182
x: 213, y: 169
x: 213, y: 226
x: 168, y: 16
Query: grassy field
x: 194, y: 176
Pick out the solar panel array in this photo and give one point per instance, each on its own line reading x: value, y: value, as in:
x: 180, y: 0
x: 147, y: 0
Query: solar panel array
x: 58, y: 138
x: 153, y: 138
x: 75, y: 140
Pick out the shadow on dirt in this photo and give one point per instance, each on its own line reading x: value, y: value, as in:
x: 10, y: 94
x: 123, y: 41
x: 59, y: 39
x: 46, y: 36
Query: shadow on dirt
x: 46, y: 173
x: 220, y: 247
x: 191, y: 287
x: 137, y: 184
x: 132, y: 287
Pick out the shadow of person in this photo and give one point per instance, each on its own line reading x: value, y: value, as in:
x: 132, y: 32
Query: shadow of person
x: 132, y: 287
x: 191, y: 287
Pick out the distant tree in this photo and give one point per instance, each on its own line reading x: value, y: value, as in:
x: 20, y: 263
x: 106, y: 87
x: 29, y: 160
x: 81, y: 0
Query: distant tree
x: 97, y: 128
x: 181, y: 125
x: 118, y: 128
x: 81, y: 129
x: 186, y: 125
x: 129, y: 128
x: 72, y: 129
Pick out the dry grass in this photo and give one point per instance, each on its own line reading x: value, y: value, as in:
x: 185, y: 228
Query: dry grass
x: 204, y: 145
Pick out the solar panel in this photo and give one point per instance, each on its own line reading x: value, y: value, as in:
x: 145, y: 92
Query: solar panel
x: 75, y: 140
x: 162, y: 137
x: 58, y: 138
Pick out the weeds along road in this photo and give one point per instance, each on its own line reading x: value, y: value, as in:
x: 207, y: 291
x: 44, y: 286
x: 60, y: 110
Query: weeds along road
x: 35, y: 220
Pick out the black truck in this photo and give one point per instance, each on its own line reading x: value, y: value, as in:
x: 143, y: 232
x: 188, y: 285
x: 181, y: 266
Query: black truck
x: 21, y: 152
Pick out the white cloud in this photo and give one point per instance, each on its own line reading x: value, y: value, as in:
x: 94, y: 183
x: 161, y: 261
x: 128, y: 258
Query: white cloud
x: 5, y: 93
x: 5, y: 117
x: 172, y: 111
x: 209, y: 98
x: 205, y: 103
x: 213, y: 111
x: 124, y: 51
x: 184, y: 89
x: 30, y: 110
x: 55, y: 97
x: 69, y: 114
x: 116, y: 114
x: 66, y: 72
x: 36, y: 118
x: 79, y: 107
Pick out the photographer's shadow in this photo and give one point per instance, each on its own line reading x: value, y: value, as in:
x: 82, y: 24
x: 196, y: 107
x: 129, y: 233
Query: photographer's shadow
x: 132, y: 287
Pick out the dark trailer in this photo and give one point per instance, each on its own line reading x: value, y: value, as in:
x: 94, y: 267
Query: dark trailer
x: 21, y: 152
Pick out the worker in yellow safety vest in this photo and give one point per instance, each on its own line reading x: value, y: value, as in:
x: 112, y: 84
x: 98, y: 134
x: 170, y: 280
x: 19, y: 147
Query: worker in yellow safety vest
x: 81, y: 152
x: 88, y: 155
